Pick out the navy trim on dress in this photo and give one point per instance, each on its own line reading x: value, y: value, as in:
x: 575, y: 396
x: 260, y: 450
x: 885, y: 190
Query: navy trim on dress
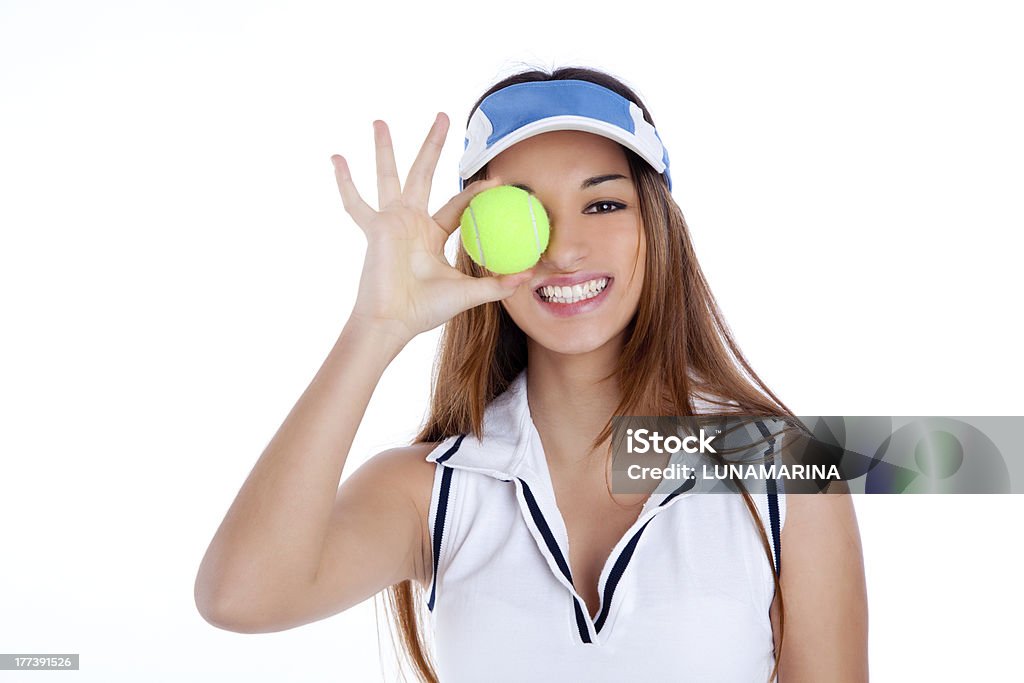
x: 556, y: 552
x: 581, y: 621
x: 619, y: 568
x: 442, y: 511
x: 451, y: 451
x: 773, y: 502
x: 545, y: 530
x: 682, y: 488
x: 616, y: 573
x: 773, y: 516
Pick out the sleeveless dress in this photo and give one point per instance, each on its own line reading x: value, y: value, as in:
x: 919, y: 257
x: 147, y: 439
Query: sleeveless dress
x: 684, y: 594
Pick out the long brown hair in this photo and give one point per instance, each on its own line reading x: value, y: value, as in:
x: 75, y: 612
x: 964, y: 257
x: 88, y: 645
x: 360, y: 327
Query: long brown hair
x: 677, y: 347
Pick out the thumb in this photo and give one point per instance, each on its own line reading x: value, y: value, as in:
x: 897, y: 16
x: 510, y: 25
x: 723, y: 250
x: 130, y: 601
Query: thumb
x: 497, y: 287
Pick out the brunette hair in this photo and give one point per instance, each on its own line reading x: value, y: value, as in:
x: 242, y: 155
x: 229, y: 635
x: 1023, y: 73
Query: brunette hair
x: 677, y: 347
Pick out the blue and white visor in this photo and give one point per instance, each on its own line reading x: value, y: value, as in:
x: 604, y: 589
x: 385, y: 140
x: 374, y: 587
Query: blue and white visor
x: 520, y: 111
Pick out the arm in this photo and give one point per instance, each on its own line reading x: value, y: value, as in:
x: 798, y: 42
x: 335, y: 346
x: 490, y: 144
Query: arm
x: 823, y: 586
x: 293, y: 547
x: 262, y: 563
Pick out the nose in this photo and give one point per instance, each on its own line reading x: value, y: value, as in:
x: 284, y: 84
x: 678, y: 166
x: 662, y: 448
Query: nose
x: 567, y: 245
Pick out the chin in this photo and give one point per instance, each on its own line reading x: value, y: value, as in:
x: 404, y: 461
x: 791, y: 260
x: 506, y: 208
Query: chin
x: 568, y: 337
x: 569, y: 340
x: 577, y: 344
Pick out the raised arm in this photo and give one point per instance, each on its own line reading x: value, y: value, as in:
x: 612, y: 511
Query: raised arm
x: 292, y: 548
x: 261, y: 567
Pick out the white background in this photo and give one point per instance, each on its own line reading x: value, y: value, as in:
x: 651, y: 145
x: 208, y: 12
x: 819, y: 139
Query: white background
x: 176, y: 263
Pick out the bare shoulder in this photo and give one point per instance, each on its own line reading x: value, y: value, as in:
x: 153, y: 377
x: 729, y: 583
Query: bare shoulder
x: 403, y: 470
x: 404, y: 466
x: 820, y: 525
x: 816, y: 517
x: 823, y: 589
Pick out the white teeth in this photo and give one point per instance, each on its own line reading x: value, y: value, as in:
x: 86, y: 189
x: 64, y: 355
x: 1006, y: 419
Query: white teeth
x: 574, y: 293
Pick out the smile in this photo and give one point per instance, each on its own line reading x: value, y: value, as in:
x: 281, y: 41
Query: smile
x: 565, y: 302
x: 570, y: 295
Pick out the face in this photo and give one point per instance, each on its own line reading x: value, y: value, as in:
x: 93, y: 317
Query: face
x: 597, y: 250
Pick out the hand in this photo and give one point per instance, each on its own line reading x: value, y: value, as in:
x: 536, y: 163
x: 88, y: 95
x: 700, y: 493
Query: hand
x: 407, y: 283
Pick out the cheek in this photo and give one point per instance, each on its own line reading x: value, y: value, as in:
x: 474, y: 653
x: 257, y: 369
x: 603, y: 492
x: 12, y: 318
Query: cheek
x: 626, y: 230
x: 517, y: 304
x: 627, y: 243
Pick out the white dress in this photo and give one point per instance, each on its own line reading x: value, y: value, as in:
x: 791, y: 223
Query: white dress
x: 684, y: 594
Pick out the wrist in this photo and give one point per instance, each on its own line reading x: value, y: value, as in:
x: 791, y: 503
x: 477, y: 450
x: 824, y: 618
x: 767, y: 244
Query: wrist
x: 386, y: 335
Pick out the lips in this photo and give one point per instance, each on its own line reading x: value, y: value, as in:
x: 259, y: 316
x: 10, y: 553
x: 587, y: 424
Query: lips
x: 567, y: 310
x: 570, y: 280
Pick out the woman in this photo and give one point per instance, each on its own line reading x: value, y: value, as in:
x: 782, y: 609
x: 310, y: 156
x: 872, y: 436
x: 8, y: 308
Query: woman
x: 498, y: 518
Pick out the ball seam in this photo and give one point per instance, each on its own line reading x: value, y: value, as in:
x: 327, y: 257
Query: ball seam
x: 476, y: 233
x: 533, y: 218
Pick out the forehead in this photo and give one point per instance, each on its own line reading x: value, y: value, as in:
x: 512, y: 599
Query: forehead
x: 561, y: 152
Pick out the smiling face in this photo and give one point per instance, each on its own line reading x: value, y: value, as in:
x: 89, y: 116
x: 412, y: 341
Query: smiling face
x: 597, y: 239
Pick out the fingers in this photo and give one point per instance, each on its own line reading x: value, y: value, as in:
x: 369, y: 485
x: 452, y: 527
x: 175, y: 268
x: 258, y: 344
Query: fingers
x: 448, y: 216
x: 497, y: 287
x: 417, y: 186
x: 389, y: 189
x: 360, y: 211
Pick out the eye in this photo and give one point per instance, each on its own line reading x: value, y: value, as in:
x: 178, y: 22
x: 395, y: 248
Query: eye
x: 603, y: 207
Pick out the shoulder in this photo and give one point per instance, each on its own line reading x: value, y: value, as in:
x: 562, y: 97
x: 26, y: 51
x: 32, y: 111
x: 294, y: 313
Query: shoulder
x: 409, y: 459
x: 821, y: 535
x: 405, y: 471
x: 821, y: 538
x: 816, y: 522
x: 404, y: 468
x: 823, y: 566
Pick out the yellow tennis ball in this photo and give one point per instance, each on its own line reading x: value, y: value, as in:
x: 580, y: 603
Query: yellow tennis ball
x: 505, y: 229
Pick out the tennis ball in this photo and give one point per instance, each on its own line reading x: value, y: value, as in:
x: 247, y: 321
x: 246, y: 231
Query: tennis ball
x: 505, y: 229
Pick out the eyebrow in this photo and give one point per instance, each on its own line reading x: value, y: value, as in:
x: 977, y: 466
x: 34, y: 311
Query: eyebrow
x: 589, y: 182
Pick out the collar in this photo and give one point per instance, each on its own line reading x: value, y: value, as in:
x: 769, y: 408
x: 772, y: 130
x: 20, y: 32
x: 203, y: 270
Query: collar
x: 511, y: 451
x: 511, y: 447
x: 507, y: 432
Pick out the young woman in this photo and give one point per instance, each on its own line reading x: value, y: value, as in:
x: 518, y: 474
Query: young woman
x: 498, y: 520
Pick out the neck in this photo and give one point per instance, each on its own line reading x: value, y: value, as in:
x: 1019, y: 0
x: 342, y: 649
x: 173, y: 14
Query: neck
x: 571, y: 401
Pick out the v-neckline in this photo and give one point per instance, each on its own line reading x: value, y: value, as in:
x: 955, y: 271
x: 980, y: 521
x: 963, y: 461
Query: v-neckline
x: 545, y: 503
x: 511, y: 451
x: 592, y: 582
